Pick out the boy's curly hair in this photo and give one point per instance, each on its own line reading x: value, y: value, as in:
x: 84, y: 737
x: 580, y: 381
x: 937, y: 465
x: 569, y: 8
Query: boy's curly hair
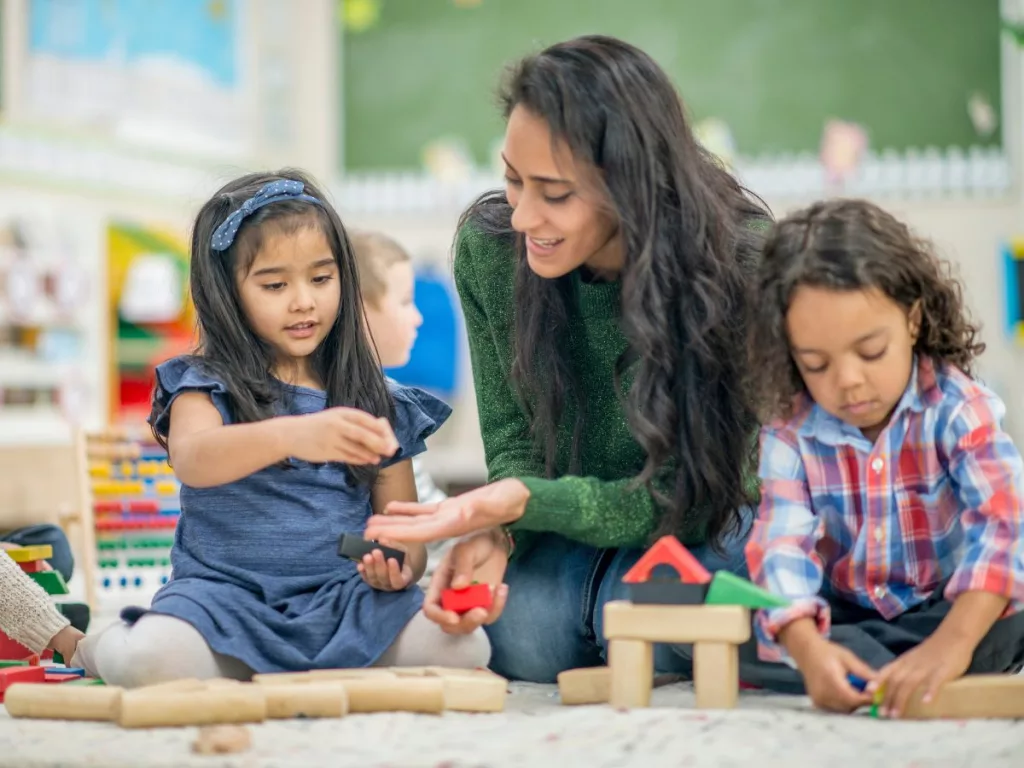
x: 851, y: 245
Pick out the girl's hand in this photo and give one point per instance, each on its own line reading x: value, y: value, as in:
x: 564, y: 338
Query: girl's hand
x: 929, y: 664
x: 385, y: 575
x: 343, y: 435
x: 483, y: 555
x: 481, y: 509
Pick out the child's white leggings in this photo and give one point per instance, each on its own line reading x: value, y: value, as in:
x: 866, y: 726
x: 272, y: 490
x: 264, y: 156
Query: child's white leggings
x: 159, y: 648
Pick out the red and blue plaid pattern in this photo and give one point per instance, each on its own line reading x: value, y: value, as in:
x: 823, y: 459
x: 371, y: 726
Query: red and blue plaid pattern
x: 938, y: 495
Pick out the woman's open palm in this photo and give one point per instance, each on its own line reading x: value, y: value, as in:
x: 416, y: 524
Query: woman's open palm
x: 487, y: 507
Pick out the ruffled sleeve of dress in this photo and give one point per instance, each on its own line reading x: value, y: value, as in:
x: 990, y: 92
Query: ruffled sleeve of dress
x: 418, y: 415
x: 185, y: 374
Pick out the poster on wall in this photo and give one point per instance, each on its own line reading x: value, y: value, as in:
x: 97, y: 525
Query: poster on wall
x: 162, y: 74
x: 151, y: 316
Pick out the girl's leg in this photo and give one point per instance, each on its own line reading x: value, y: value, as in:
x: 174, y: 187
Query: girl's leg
x: 547, y: 624
x: 424, y: 644
x: 155, y: 649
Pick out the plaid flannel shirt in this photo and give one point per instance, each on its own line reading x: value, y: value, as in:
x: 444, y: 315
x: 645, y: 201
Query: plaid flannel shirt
x: 938, y: 495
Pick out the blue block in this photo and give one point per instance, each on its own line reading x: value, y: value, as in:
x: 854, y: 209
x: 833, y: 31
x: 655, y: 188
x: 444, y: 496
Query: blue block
x: 65, y: 671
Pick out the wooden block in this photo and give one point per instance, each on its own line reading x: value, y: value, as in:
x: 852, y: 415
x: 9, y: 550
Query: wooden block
x: 319, y: 675
x: 676, y: 623
x: 632, y: 673
x: 323, y: 699
x: 587, y: 685
x: 51, y: 581
x: 64, y: 702
x: 471, y: 692
x: 973, y: 696
x: 29, y: 554
x: 716, y: 675
x: 398, y: 694
x: 228, y: 704
x: 174, y: 686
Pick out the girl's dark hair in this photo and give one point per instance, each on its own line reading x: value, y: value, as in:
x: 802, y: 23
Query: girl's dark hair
x: 690, y: 255
x: 852, y: 245
x: 229, y: 350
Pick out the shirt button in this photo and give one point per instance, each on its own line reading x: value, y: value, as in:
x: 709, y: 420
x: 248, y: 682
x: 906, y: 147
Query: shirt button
x: 879, y: 534
x: 879, y: 591
x: 877, y: 465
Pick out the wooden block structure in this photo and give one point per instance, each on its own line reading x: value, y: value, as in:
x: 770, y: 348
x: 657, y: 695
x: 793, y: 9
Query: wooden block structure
x: 320, y: 694
x: 715, y: 631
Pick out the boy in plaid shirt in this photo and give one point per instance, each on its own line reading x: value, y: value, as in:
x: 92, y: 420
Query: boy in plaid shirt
x: 891, y: 513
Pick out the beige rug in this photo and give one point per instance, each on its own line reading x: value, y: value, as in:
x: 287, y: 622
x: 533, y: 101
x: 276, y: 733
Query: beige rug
x: 535, y: 730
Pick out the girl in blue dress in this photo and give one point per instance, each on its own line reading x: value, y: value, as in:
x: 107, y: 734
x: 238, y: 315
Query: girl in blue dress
x: 285, y: 434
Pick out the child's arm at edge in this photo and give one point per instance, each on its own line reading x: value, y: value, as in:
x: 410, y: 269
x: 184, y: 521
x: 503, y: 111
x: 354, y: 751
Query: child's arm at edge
x: 398, y: 483
x: 205, y: 452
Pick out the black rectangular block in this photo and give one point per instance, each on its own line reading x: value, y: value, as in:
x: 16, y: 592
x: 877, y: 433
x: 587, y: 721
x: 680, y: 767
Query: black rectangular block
x: 355, y: 548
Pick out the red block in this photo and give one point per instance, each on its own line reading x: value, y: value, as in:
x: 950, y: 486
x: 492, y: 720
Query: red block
x: 34, y: 566
x: 11, y: 675
x: 464, y: 600
x: 9, y: 649
x: 51, y: 678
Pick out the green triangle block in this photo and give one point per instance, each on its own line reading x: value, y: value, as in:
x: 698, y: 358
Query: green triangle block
x: 51, y: 581
x: 729, y: 589
x: 4, y: 663
x: 86, y: 681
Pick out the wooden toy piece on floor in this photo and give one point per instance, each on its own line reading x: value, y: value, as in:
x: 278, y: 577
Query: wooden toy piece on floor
x: 973, y: 696
x: 587, y: 685
x: 410, y: 689
x: 715, y: 631
x: 667, y: 574
x: 64, y: 702
x: 468, y: 598
x: 222, y: 740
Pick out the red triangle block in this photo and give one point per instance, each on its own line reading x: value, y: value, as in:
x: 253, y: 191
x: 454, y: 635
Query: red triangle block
x: 668, y: 551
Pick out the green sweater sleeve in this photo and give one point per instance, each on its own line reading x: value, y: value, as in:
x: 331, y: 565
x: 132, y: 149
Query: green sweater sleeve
x: 592, y: 511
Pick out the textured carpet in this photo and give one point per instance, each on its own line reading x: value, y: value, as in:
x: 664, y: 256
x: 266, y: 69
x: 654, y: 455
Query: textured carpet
x: 765, y: 731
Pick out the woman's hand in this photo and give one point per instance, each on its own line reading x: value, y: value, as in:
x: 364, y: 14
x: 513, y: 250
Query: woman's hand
x: 487, y: 507
x: 482, y: 556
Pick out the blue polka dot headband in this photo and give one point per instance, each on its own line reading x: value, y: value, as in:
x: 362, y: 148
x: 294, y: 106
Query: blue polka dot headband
x: 275, y: 191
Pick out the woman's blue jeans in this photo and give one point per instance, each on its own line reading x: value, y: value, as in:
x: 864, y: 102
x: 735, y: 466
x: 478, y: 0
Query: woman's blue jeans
x: 554, y: 614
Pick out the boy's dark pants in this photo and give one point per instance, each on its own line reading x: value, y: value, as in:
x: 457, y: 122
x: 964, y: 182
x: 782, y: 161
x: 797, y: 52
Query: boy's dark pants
x: 878, y: 642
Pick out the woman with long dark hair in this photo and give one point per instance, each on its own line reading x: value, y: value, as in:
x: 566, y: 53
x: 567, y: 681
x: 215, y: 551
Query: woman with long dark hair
x: 606, y: 297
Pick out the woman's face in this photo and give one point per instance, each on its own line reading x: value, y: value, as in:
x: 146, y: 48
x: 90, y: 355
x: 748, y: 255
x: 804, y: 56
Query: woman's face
x: 556, y: 204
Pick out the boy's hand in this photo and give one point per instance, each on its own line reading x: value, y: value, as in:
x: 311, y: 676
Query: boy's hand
x: 826, y: 667
x: 385, y: 575
x: 929, y: 664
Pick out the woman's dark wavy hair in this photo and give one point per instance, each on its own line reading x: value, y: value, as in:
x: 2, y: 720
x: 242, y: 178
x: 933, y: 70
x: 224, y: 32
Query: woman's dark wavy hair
x: 852, y: 245
x: 690, y: 255
x: 229, y: 350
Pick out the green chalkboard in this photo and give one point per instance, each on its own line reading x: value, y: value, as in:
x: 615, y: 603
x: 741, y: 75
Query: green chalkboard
x: 774, y: 70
